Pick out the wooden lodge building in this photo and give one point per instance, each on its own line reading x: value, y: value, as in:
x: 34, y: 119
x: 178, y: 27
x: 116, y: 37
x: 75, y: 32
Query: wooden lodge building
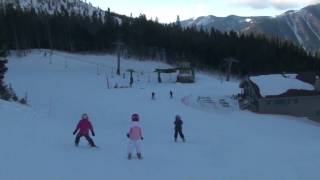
x: 290, y: 94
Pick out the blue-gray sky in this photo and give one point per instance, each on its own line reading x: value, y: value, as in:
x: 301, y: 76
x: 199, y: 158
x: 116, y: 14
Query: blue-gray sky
x: 167, y: 10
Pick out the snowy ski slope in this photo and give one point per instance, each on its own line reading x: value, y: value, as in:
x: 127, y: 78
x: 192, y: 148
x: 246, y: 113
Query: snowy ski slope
x: 223, y: 143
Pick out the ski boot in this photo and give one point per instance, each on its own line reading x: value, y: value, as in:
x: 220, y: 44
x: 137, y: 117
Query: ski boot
x: 139, y: 156
x: 129, y: 156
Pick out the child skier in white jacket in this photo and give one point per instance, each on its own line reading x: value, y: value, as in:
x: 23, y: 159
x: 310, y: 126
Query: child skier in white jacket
x: 135, y: 136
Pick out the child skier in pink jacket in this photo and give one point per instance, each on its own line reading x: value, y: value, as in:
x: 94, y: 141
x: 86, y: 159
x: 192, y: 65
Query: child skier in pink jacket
x: 84, y: 126
x: 134, y: 135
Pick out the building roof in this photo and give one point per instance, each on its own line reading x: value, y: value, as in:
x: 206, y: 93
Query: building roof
x: 168, y: 70
x: 279, y: 84
x: 295, y: 93
x: 309, y: 77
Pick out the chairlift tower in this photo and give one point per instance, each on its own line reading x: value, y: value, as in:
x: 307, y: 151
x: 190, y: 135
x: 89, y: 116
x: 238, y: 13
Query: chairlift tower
x: 229, y: 62
x: 119, y: 45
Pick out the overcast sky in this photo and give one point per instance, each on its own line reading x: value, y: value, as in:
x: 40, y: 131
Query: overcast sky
x: 167, y: 10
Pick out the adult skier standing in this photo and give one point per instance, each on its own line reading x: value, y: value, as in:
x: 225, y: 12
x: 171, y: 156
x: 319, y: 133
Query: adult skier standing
x: 135, y: 136
x: 178, y: 128
x: 84, y: 126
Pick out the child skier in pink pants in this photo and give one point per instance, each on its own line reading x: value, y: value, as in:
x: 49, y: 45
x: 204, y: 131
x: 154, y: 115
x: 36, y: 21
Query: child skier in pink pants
x: 134, y: 135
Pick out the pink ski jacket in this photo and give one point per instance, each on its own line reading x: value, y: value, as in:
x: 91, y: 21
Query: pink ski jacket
x: 135, y: 131
x: 84, y: 125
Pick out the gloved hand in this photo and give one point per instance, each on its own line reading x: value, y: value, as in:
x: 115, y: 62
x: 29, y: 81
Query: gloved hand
x: 93, y: 134
x: 128, y: 136
x: 141, y: 138
x: 74, y: 132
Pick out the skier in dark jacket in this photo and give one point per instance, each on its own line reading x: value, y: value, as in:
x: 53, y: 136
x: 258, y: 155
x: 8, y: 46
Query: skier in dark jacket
x: 153, y: 96
x: 178, y: 128
x: 84, y: 126
x: 171, y: 94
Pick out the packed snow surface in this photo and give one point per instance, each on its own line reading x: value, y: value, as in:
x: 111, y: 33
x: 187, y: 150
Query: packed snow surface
x: 223, y: 143
x: 276, y: 84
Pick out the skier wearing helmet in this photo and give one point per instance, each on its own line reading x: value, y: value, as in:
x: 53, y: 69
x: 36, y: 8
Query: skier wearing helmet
x: 178, y: 128
x: 84, y: 126
x: 135, y: 136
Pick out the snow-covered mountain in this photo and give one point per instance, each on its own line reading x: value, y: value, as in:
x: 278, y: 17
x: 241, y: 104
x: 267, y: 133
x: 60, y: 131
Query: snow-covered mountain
x: 301, y: 27
x: 52, y: 6
x: 235, y: 23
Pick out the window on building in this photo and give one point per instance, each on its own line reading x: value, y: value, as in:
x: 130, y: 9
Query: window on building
x: 268, y: 102
x: 281, y: 102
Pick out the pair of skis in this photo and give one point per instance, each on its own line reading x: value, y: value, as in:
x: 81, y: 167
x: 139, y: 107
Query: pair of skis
x: 139, y: 157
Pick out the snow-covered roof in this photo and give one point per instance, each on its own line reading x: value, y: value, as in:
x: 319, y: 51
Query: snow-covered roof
x: 277, y: 84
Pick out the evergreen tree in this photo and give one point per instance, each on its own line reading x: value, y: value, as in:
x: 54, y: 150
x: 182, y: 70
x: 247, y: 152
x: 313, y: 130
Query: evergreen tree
x: 178, y: 22
x: 4, y: 91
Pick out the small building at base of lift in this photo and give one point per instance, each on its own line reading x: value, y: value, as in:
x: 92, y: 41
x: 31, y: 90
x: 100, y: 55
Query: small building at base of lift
x: 186, y: 74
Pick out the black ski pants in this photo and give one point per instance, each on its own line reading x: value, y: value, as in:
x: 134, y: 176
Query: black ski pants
x: 178, y: 131
x: 89, y: 139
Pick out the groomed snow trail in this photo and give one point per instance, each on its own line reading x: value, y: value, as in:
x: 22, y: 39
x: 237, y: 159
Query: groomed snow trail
x: 224, y: 144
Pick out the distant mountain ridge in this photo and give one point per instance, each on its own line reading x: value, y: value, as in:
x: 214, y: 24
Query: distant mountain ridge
x: 301, y: 27
x: 232, y: 22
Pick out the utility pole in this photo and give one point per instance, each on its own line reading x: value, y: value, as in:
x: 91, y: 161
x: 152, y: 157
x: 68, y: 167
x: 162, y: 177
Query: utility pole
x: 158, y: 71
x: 98, y: 70
x: 230, y: 62
x: 107, y: 78
x: 119, y: 45
x: 131, y: 76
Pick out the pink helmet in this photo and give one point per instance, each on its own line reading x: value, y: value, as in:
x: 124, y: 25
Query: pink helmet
x: 135, y: 117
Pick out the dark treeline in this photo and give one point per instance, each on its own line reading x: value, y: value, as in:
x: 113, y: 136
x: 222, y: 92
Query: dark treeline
x: 149, y: 39
x: 4, y: 93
